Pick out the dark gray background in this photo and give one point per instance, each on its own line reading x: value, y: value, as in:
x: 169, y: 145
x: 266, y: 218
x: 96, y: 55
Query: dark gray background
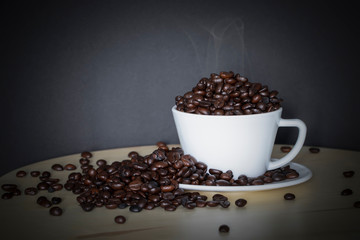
x: 91, y: 75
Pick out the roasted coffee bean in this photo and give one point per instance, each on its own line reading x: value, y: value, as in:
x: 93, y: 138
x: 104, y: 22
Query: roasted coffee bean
x: 314, y: 150
x: 122, y: 205
x: 55, y: 211
x: 292, y: 174
x: 56, y: 200
x: 8, y: 187
x: 44, y: 202
x: 278, y: 176
x: 7, y: 195
x: 86, y: 154
x: 84, y: 161
x: 224, y: 228
x: 31, y: 191
x: 222, y: 182
x: 43, y: 186
x: 56, y: 186
x: 348, y: 174
x: 170, y: 208
x: 357, y: 204
x: 21, y: 173
x: 219, y: 197
x: 289, y: 196
x: 87, y: 206
x: 285, y: 149
x: 240, y: 202
x: 346, y: 192
x: 135, y: 208
x: 57, y: 167
x: 120, y: 219
x: 69, y: 167
x: 111, y: 205
x: 46, y: 174
x: 35, y: 173
x: 257, y: 182
x: 212, y: 203
x: 224, y: 204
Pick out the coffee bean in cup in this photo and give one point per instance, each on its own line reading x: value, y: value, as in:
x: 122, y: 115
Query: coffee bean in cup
x: 227, y: 93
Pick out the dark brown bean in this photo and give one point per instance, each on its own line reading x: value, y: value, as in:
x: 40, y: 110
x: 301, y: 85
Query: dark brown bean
x: 292, y: 175
x: 212, y: 203
x: 56, y: 200
x: 31, y: 191
x: 346, y: 192
x: 224, y: 228
x: 8, y: 187
x: 314, y: 150
x: 219, y: 197
x: 55, y: 211
x: 21, y: 173
x: 120, y: 219
x: 57, y: 167
x: 86, y: 154
x: 357, y: 204
x: 240, y: 202
x: 285, y: 149
x: 348, y: 174
x: 7, y: 195
x: 289, y: 196
x: 35, y: 173
x: 69, y: 167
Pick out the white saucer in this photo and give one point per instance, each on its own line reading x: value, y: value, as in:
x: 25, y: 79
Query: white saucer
x: 304, y: 175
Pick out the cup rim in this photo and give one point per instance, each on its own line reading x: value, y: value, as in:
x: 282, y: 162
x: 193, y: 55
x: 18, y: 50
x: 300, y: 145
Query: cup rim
x: 174, y: 110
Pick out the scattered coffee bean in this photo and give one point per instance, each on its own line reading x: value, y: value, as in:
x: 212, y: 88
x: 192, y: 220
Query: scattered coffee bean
x: 348, y: 174
x: 123, y: 205
x: 224, y: 204
x: 35, y: 173
x: 87, y: 206
x: 346, y: 192
x: 285, y: 149
x: 224, y: 228
x: 21, y: 173
x: 278, y: 176
x: 44, y: 202
x: 86, y: 155
x: 46, y: 174
x: 292, y: 174
x: 57, y: 167
x: 43, y: 186
x: 7, y: 195
x: 31, y: 191
x: 240, y: 202
x: 135, y: 208
x: 150, y: 181
x: 289, y: 196
x: 56, y: 200
x: 314, y: 150
x: 120, y: 219
x: 9, y: 187
x: 219, y: 197
x: 357, y: 204
x: 69, y: 167
x: 55, y: 211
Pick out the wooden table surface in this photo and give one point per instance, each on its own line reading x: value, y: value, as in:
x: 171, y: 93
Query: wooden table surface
x: 319, y: 211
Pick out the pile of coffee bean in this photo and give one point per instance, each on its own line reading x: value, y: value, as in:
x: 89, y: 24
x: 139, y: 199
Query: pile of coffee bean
x: 146, y: 182
x: 228, y: 94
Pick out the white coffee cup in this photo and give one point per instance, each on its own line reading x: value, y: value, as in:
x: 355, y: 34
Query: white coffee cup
x: 241, y: 143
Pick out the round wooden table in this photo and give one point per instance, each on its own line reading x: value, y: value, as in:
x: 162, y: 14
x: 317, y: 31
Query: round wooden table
x: 319, y: 211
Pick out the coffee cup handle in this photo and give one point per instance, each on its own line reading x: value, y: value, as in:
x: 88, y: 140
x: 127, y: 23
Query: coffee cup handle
x: 276, y: 163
